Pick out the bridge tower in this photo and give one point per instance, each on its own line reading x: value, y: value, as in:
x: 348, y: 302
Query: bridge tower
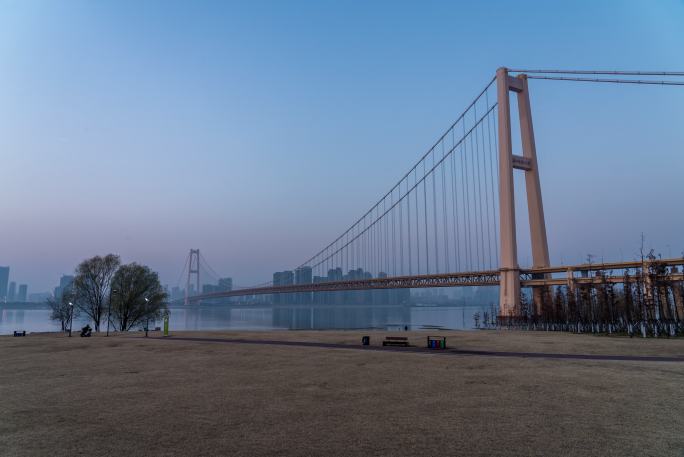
x: 509, y: 298
x: 193, y: 270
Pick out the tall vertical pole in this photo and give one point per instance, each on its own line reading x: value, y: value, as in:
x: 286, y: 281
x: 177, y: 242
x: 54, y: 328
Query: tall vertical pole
x: 509, y: 286
x: 197, y: 252
x: 186, y: 302
x: 535, y: 207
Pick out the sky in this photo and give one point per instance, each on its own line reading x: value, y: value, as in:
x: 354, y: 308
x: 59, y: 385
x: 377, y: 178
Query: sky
x: 257, y: 131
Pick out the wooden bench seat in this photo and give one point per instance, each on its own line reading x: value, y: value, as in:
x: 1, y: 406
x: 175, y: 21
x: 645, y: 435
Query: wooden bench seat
x: 396, y: 341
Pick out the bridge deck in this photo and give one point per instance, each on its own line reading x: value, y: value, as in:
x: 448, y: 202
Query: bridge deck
x: 528, y: 278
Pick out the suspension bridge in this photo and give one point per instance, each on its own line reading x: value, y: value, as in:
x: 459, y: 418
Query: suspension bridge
x: 451, y: 221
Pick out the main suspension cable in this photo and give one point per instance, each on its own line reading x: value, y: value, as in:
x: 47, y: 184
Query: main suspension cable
x: 615, y: 81
x: 603, y: 72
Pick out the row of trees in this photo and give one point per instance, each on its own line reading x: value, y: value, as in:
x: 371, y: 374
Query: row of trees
x: 127, y: 294
x: 650, y: 302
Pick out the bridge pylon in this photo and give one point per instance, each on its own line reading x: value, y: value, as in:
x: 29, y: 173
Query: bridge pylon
x: 509, y: 295
x: 193, y: 269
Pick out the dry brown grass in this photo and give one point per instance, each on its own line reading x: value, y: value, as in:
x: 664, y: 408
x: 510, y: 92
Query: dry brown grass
x: 125, y: 395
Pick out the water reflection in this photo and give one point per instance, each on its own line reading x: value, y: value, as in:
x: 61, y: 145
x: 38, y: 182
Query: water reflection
x: 319, y: 317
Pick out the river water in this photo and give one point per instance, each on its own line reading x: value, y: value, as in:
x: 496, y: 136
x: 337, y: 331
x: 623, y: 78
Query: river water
x: 273, y: 317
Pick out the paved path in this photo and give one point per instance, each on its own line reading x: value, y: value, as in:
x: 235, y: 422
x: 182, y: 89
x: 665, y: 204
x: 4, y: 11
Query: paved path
x: 539, y: 355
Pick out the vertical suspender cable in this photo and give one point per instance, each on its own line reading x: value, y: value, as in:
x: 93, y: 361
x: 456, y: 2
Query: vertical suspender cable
x: 415, y: 179
x: 454, y: 204
x: 445, y: 216
x: 491, y: 182
x: 473, y: 177
x: 485, y: 169
x: 466, y: 199
x: 427, y: 247
x: 479, y: 191
x: 401, y: 235
x: 408, y: 226
x: 394, y: 243
x: 434, y: 212
x: 495, y: 122
x: 386, y: 237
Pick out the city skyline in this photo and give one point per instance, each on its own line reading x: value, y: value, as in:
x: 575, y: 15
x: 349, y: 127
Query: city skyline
x: 236, y: 149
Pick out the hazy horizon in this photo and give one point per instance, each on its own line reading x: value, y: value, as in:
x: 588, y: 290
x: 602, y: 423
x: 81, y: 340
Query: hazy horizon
x: 258, y: 133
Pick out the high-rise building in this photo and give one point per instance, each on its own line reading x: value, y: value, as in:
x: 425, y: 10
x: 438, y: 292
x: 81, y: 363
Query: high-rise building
x: 209, y: 288
x: 283, y: 278
x: 65, y: 283
x: 176, y: 293
x: 23, y: 292
x: 4, y: 282
x: 336, y: 298
x: 225, y: 284
x: 12, y: 293
x: 303, y: 275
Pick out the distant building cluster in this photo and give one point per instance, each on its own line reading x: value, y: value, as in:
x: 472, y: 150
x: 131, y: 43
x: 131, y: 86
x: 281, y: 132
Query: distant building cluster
x: 178, y: 294
x: 9, y: 292
x: 303, y: 275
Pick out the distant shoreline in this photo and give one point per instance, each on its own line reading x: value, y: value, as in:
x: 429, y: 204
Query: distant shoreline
x: 44, y: 305
x: 24, y: 305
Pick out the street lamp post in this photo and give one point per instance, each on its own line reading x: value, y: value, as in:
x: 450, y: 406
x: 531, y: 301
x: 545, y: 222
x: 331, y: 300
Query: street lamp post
x: 147, y: 316
x: 71, y: 318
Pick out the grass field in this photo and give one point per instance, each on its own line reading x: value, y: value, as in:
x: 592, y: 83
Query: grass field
x: 126, y: 395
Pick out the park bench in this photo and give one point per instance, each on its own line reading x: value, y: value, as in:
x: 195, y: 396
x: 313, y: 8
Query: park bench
x: 22, y: 333
x: 436, y: 342
x: 395, y: 341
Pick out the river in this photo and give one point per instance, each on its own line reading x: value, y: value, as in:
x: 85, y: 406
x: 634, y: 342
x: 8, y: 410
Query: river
x: 272, y: 317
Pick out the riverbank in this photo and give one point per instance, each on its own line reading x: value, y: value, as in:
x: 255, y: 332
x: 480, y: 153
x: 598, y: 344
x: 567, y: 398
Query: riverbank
x: 216, y: 396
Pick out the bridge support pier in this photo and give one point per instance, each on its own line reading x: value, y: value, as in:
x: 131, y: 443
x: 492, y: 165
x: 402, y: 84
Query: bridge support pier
x: 509, y: 295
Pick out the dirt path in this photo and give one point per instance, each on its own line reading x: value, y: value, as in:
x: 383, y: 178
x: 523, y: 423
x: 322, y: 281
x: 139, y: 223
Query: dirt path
x: 413, y: 350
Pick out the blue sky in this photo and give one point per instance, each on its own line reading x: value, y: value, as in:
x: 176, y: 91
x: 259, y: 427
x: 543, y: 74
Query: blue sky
x: 256, y: 131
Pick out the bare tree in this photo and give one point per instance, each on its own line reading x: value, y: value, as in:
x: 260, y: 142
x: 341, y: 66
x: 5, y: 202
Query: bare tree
x: 559, y: 305
x: 91, y: 286
x: 139, y: 296
x: 62, y: 310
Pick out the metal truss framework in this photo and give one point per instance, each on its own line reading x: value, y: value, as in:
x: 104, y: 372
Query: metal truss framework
x: 536, y: 277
